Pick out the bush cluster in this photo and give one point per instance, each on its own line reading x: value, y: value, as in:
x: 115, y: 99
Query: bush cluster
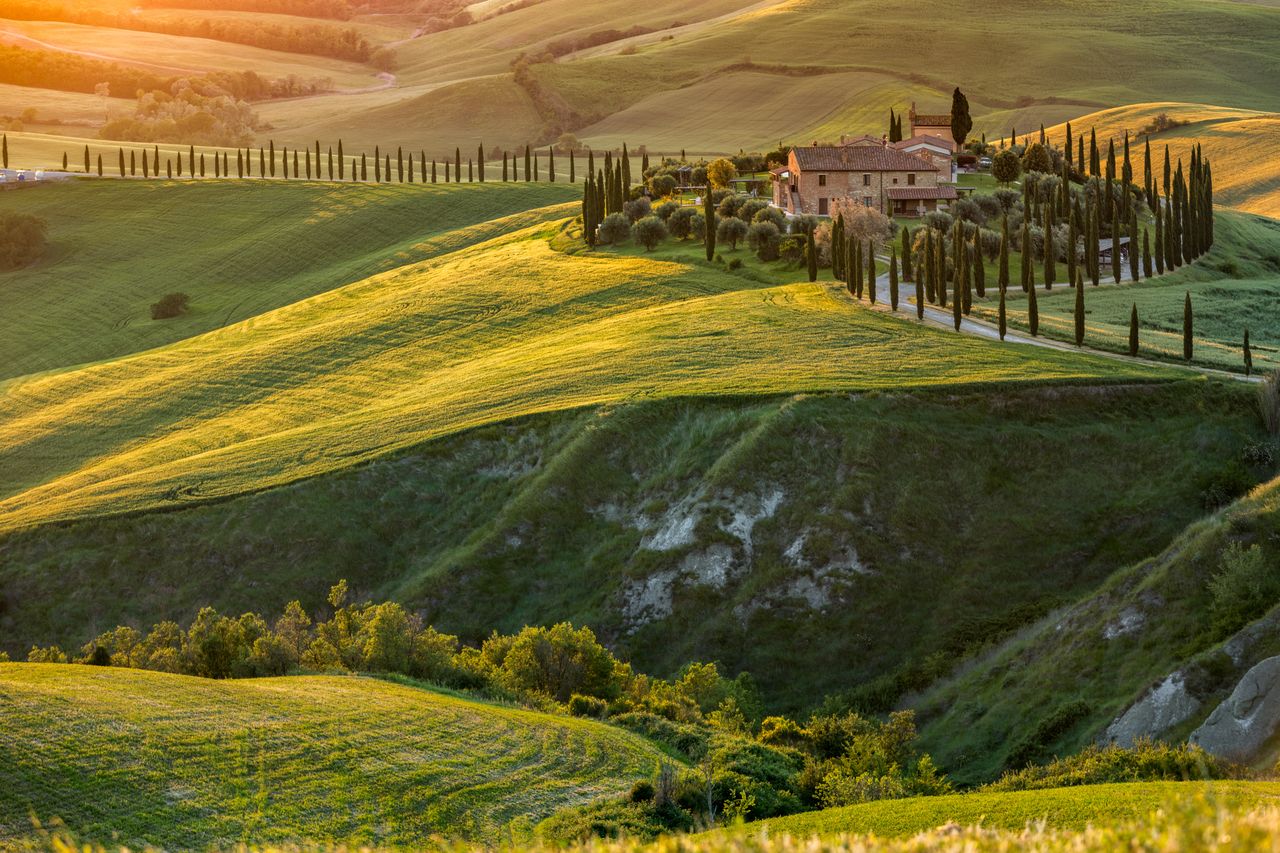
x: 22, y: 239
x: 1146, y: 761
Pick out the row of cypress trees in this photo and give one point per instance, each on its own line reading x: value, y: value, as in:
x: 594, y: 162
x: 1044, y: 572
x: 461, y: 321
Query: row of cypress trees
x: 313, y: 164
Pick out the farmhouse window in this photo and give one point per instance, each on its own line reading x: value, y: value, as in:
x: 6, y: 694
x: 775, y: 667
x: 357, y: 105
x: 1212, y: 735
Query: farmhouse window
x: 911, y: 179
x: 866, y: 180
x: 823, y: 208
x: 822, y: 180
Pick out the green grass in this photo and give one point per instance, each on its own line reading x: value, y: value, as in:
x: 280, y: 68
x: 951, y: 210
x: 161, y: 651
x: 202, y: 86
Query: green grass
x: 1058, y: 808
x: 360, y: 371
x: 1232, y: 287
x: 239, y: 249
x: 878, y: 496
x: 141, y: 758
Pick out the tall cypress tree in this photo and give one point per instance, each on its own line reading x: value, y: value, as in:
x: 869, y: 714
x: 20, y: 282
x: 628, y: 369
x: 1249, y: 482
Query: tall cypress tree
x: 528, y: 162
x: 1028, y: 281
x: 1079, y: 310
x: 837, y: 247
x: 1095, y: 161
x: 410, y: 161
x: 1187, y: 324
x: 341, y: 161
x: 1133, y: 245
x: 907, y: 238
x: 4, y: 150
x: 99, y: 165
x: 1050, y: 253
x: 893, y: 280
x: 471, y: 176
x: 457, y: 165
x: 122, y: 171
x: 1002, y: 273
x: 399, y: 164
x: 1248, y: 354
x: 551, y: 164
x: 1115, y: 245
x: 871, y: 272
x: 1033, y: 313
x: 926, y: 289
x: 309, y: 164
x: 86, y: 159
x: 364, y: 167
x: 709, y: 215
x: 940, y: 266
x: 480, y: 160
x: 202, y: 165
x: 573, y: 167
x: 856, y: 284
x: 1133, y: 330
x: 811, y: 254
x: 979, y: 271
x: 239, y: 163
x: 1146, y: 254
x: 1066, y: 148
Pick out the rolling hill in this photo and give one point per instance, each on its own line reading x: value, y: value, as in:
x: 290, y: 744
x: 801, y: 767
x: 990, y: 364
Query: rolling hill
x: 142, y: 758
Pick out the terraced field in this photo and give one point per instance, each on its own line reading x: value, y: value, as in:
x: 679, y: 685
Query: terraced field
x: 142, y: 758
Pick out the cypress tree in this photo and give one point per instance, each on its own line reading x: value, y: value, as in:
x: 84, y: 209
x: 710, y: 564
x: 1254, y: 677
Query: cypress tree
x: 1095, y: 243
x: 411, y: 168
x: 1050, y: 253
x: 852, y: 269
x: 471, y: 175
x: 99, y: 165
x: 1167, y: 174
x: 871, y: 272
x: 122, y: 172
x: 179, y: 169
x: 1172, y: 260
x: 341, y: 161
x: 387, y: 171
x: 1248, y: 354
x: 448, y: 173
x: 837, y: 247
x: 1079, y: 311
x: 1146, y: 254
x: 551, y: 164
x: 64, y: 160
x: 536, y: 170
x: 4, y: 150
x: 957, y: 297
x: 626, y: 172
x: 457, y: 165
x: 857, y: 269
x: 907, y: 238
x: 309, y: 164
x: 86, y: 159
x: 271, y: 143
x: 573, y: 167
x: 225, y: 164
x: 400, y: 164
x: 528, y: 162
x: 979, y: 271
x: 239, y: 164
x: 168, y: 169
x: 1115, y: 245
x: 364, y: 167
x: 202, y: 165
x: 811, y: 254
x: 940, y: 265
x: 480, y: 161
x: 1072, y: 242
x: 1080, y: 155
x: 329, y: 157
x: 925, y: 290
x: 1003, y: 316
x: 295, y: 162
x: 1133, y: 330
x: 1187, y: 325
x: 433, y: 171
x: 1095, y: 162
x: 1133, y: 244
x: 422, y: 161
x: 1033, y: 313
x: 1028, y: 283
x: 709, y: 214
x: 1066, y: 148
x: 262, y: 163
x: 1148, y: 182
x: 1002, y: 274
x: 962, y: 270
x: 893, y: 280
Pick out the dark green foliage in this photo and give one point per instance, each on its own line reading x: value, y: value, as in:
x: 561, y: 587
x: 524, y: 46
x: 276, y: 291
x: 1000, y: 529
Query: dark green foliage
x: 961, y: 122
x: 1037, y: 744
x: 811, y: 255
x: 893, y: 280
x: 907, y: 239
x: 22, y: 239
x: 1248, y: 354
x: 1079, y: 310
x: 1187, y: 328
x: 1099, y: 765
x: 1133, y: 330
x: 170, y: 305
x: 1033, y: 312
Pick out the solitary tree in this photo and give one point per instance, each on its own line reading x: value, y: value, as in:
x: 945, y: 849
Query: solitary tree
x: 1079, y: 312
x: 1006, y: 167
x: 961, y: 122
x: 1033, y: 313
x: 1003, y: 316
x: 1248, y: 354
x: 893, y: 280
x: 811, y: 253
x: 907, y: 237
x: 1133, y: 330
x: 4, y: 150
x: 1187, y: 324
x: 709, y: 215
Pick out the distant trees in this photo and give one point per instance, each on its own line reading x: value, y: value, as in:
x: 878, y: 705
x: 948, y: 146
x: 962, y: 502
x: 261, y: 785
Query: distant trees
x: 170, y: 305
x: 22, y: 239
x: 649, y: 231
x: 731, y: 230
x: 961, y: 122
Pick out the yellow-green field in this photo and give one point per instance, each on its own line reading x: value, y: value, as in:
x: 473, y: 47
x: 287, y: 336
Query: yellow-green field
x: 1242, y: 145
x: 1056, y: 808
x: 143, y: 758
x: 504, y: 328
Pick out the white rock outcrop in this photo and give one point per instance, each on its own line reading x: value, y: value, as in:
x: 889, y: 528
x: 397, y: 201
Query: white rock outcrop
x: 1243, y: 727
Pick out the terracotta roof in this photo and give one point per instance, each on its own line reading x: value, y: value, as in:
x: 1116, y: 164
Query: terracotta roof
x: 925, y: 139
x: 859, y: 158
x: 862, y: 140
x: 919, y: 193
x: 931, y: 120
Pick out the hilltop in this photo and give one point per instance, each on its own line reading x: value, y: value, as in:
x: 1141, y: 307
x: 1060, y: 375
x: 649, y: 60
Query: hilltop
x: 149, y: 758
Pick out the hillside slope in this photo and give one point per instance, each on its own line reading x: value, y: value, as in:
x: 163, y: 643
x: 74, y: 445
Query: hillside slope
x: 396, y: 359
x: 1243, y: 146
x: 239, y: 249
x: 143, y: 758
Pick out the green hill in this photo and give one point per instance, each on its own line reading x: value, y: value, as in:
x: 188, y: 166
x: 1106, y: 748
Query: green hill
x: 1058, y: 808
x: 142, y: 758
x: 239, y: 249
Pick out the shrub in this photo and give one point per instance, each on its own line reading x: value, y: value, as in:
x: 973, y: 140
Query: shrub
x: 1037, y: 159
x: 649, y: 232
x: 680, y: 223
x: 52, y: 654
x: 968, y: 210
x: 734, y: 264
x: 792, y: 248
x: 662, y: 186
x: 637, y: 208
x: 1145, y: 761
x: 615, y: 229
x: 763, y: 238
x: 698, y: 226
x: 22, y: 239
x: 587, y: 706
x: 729, y: 205
x: 642, y: 792
x: 666, y: 209
x: 731, y: 230
x: 170, y: 305
x: 747, y: 212
x: 1006, y: 167
x: 774, y: 215
x: 1243, y: 588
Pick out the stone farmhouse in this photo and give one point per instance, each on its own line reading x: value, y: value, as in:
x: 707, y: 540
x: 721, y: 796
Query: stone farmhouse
x: 937, y: 151
x: 938, y: 125
x: 865, y: 171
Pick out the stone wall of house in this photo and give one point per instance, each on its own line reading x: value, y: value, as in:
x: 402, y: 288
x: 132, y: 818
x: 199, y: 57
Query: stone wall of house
x: 863, y: 187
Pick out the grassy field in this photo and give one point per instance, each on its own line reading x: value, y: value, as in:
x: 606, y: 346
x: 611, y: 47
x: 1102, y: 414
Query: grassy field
x: 1243, y: 146
x: 1058, y: 809
x: 239, y: 249
x: 142, y: 758
x: 316, y: 386
x: 1231, y: 288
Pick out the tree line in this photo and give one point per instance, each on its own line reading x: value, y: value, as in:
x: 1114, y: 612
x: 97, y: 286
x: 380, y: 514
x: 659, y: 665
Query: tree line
x: 307, y: 38
x: 67, y: 72
x: 313, y: 163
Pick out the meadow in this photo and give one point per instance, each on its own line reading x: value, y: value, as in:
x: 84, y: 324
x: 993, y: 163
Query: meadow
x: 315, y: 386
x: 140, y: 758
